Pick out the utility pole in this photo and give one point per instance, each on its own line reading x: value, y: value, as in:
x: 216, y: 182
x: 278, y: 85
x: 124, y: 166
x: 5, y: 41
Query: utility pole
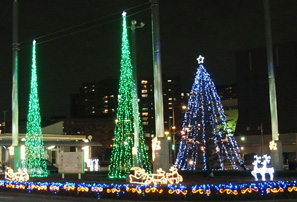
x: 162, y: 155
x: 133, y: 47
x: 135, y: 103
x: 15, y: 57
x: 15, y: 106
x: 275, y: 144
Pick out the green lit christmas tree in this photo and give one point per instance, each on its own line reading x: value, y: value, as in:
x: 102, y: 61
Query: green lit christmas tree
x: 34, y: 161
x: 129, y: 149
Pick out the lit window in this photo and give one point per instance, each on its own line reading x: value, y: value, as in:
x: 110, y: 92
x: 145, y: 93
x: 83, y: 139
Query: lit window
x: 145, y: 118
x: 105, y: 97
x: 106, y: 101
x: 145, y: 123
x: 85, y: 86
x: 169, y: 81
x: 169, y: 107
x: 169, y: 103
x: 182, y: 94
x: 105, y: 111
x: 169, y: 89
x: 143, y: 91
x: 144, y: 95
x: 93, y: 112
x: 93, y: 89
x: 170, y: 98
x: 144, y: 109
x: 86, y: 99
x: 143, y: 81
x: 111, y: 96
x: 144, y: 113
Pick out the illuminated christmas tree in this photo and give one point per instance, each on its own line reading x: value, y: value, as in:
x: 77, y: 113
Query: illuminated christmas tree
x: 205, y: 143
x: 35, y: 153
x: 129, y: 149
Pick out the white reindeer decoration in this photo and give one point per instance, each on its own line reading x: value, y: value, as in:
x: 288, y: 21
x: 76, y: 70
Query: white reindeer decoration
x: 263, y: 169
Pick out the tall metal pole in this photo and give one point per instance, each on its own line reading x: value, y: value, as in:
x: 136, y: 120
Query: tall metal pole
x: 162, y: 155
x: 276, y: 151
x: 135, y: 103
x: 158, y: 91
x: 15, y: 50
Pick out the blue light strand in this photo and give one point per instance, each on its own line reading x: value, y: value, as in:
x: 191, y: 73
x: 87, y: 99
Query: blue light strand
x: 205, y: 129
x: 261, y: 189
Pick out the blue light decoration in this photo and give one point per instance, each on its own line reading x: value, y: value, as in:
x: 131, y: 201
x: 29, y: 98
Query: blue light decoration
x: 205, y: 143
x: 127, y: 151
x: 196, y: 192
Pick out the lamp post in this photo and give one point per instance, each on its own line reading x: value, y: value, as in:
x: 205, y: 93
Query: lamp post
x: 135, y: 103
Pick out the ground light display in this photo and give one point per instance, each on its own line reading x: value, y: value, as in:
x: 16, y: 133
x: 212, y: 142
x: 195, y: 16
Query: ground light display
x: 205, y: 143
x: 196, y: 192
x: 34, y: 149
x: 127, y: 153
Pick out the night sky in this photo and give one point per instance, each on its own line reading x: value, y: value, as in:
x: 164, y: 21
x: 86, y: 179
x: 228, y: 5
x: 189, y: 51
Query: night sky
x: 79, y: 41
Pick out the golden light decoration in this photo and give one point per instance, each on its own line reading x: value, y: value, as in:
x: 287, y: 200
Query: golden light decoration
x: 156, y: 145
x: 274, y: 190
x: 290, y: 189
x: 201, y: 191
x: 249, y: 190
x: 272, y: 145
x: 161, y: 177
x: 153, y: 190
x: 21, y: 175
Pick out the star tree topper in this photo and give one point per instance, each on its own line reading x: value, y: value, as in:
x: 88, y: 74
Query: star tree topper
x: 200, y: 59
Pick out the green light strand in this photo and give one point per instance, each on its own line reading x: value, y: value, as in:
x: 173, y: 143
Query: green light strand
x: 121, y: 157
x: 34, y: 149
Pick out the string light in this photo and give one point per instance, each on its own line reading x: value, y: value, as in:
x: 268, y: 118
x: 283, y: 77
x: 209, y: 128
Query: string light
x: 34, y: 149
x: 122, y: 157
x: 161, y: 177
x: 21, y: 175
x: 205, y: 141
x: 127, y: 191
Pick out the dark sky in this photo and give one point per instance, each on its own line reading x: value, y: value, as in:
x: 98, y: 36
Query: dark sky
x: 90, y: 51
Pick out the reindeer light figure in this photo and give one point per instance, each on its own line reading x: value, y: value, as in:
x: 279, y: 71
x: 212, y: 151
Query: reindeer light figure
x: 270, y: 171
x: 264, y: 161
x: 256, y: 170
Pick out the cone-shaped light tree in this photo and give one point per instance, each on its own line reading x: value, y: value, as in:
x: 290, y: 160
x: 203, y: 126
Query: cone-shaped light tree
x: 34, y: 149
x: 205, y: 143
x: 128, y: 150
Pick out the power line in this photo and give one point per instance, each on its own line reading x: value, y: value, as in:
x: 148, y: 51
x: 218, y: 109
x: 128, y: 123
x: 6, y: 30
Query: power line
x: 84, y: 24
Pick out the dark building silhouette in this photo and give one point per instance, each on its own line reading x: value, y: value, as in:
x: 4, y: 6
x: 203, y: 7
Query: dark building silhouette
x: 95, y: 99
x: 253, y: 90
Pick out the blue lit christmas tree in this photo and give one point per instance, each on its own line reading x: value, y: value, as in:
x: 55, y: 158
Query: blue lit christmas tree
x: 35, y: 153
x: 129, y: 149
x: 205, y: 143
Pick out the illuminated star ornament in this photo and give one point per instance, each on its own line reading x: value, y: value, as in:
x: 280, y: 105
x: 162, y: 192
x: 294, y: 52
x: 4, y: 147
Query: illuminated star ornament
x: 200, y: 59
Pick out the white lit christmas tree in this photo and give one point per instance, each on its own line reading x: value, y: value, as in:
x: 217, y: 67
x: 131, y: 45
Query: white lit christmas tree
x: 129, y: 149
x: 205, y: 143
x: 35, y: 153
